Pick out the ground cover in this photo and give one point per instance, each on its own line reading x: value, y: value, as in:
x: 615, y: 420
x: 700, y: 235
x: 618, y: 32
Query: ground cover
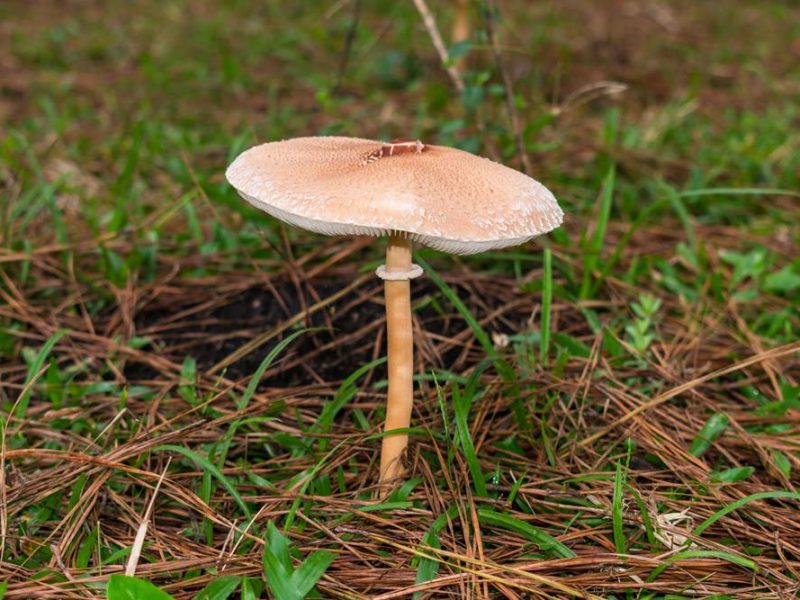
x: 617, y: 415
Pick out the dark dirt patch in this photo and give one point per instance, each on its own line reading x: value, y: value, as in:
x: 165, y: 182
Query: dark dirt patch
x: 351, y: 328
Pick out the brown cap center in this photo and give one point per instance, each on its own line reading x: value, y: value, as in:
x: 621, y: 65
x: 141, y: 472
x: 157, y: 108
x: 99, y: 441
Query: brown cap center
x: 396, y: 148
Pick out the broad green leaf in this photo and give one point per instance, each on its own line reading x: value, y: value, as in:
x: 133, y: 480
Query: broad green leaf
x: 219, y: 589
x: 782, y: 462
x: 746, y: 265
x: 123, y: 587
x: 732, y: 475
x: 784, y: 280
x: 251, y: 588
x: 459, y: 49
x: 186, y: 388
x: 278, y: 580
x: 86, y: 548
x: 279, y: 547
x: 714, y: 427
x: 309, y: 572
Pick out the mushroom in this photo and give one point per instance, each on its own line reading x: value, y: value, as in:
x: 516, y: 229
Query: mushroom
x: 407, y: 191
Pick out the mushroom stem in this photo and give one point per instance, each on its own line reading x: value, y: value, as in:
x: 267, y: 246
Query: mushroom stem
x: 400, y: 355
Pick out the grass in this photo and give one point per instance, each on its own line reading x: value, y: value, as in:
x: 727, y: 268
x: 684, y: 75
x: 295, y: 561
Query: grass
x: 615, y: 416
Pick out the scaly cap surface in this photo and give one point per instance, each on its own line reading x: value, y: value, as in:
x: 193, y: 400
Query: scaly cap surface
x: 438, y: 196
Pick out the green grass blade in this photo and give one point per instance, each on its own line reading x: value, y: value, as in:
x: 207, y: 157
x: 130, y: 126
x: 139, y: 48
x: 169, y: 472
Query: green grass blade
x: 344, y: 394
x: 472, y: 382
x: 242, y: 403
x: 547, y: 301
x: 309, y: 477
x: 595, y: 246
x: 252, y: 385
x: 512, y: 495
x: 649, y: 529
x: 388, y: 505
x: 732, y: 558
x: 546, y: 542
x: 86, y: 549
x: 205, y: 464
x: 461, y: 406
x: 35, y: 367
x: 205, y: 492
x: 743, y: 191
x: 775, y: 495
x: 449, y: 293
x: 620, y: 543
x: 427, y: 568
x: 116, y: 558
x: 503, y: 368
x: 651, y: 209
x: 442, y: 403
x: 187, y: 388
x: 675, y: 199
x: 402, y: 493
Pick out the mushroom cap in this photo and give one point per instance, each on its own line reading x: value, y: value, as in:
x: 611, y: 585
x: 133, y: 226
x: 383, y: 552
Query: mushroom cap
x: 438, y: 196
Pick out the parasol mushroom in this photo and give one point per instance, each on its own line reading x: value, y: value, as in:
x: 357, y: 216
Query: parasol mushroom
x: 407, y: 191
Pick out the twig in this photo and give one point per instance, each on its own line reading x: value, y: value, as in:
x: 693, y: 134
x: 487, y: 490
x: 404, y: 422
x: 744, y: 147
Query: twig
x: 516, y: 124
x: 348, y: 46
x: 436, y: 38
x: 589, y: 93
x: 138, y: 542
x: 454, y: 72
x: 461, y: 30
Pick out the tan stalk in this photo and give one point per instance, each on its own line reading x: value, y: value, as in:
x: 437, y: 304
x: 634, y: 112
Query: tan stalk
x: 400, y: 353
